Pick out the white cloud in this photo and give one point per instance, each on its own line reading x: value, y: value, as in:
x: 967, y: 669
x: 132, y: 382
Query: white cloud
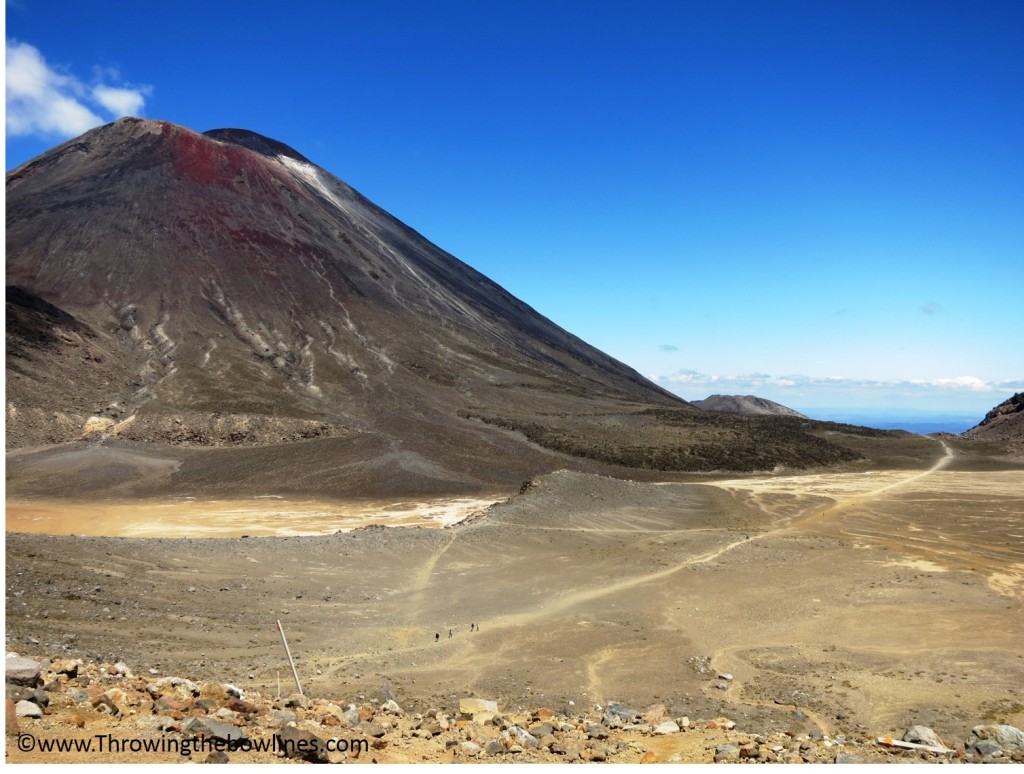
x: 799, y: 386
x: 121, y: 102
x: 43, y: 101
x: 963, y: 383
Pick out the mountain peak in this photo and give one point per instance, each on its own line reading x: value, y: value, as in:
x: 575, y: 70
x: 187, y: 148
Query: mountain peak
x: 256, y: 142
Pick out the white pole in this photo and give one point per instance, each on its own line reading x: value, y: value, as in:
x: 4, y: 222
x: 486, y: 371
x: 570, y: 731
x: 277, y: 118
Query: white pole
x: 288, y: 653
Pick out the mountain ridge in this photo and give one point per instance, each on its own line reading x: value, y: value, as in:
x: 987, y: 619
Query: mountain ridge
x: 1004, y: 422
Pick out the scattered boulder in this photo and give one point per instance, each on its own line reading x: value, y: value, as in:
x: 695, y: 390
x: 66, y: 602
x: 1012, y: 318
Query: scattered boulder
x: 28, y: 709
x: 23, y: 671
x: 374, y: 730
x: 1008, y: 737
x: 617, y: 715
x: 922, y: 735
x: 726, y: 753
x: 596, y: 731
x: 478, y: 710
x: 668, y: 727
x: 471, y: 749
x: 280, y: 718
x: 300, y: 744
x: 654, y: 714
x: 985, y: 747
x: 213, y: 728
x: 351, y: 716
x: 66, y: 666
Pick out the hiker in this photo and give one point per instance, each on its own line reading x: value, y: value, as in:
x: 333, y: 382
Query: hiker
x: 449, y: 634
x: 437, y: 636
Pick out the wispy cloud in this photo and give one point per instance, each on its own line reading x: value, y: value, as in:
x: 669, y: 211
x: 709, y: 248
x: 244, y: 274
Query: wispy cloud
x: 931, y: 308
x: 42, y: 100
x: 668, y: 347
x: 800, y: 385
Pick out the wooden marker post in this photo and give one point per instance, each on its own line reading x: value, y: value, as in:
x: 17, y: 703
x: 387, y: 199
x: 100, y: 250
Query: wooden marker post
x: 288, y: 653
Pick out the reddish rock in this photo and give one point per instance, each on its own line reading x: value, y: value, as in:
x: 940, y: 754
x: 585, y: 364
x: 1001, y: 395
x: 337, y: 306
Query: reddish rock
x: 66, y: 667
x: 655, y: 714
x: 11, y: 717
x: 235, y: 704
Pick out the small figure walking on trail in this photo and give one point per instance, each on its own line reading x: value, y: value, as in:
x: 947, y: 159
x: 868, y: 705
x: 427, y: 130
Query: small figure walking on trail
x: 472, y: 627
x: 437, y: 636
x: 449, y: 634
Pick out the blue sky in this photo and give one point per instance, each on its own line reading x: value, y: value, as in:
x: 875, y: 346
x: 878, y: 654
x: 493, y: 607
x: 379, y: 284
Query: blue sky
x: 821, y: 203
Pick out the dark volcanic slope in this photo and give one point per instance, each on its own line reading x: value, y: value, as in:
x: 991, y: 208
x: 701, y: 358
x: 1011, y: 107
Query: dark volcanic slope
x: 1003, y: 423
x: 219, y: 289
x: 745, y: 404
x: 244, y: 279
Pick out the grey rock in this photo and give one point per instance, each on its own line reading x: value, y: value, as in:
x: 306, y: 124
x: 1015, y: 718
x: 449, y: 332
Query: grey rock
x: 542, y: 729
x: 495, y: 747
x: 391, y: 707
x: 28, y: 709
x: 372, y: 729
x: 849, y: 758
x: 430, y: 726
x: 77, y: 695
x: 986, y: 747
x: 523, y: 738
x: 161, y: 723
x: 23, y: 671
x: 470, y: 748
x: 40, y: 697
x: 668, y: 727
x: 596, y: 731
x: 300, y: 744
x: 213, y: 728
x: 351, y: 716
x: 218, y: 756
x: 18, y: 693
x: 727, y: 752
x: 279, y: 718
x: 922, y: 735
x: 1008, y: 737
x: 616, y: 714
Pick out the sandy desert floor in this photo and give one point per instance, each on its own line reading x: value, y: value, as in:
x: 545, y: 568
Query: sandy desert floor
x: 857, y: 601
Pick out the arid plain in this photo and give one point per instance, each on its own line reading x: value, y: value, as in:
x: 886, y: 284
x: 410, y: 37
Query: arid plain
x: 863, y: 599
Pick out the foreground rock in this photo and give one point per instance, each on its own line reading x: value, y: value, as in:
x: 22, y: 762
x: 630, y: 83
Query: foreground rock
x: 166, y: 719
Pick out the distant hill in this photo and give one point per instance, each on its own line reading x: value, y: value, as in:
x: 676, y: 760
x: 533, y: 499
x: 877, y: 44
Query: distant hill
x: 745, y: 404
x: 1003, y: 423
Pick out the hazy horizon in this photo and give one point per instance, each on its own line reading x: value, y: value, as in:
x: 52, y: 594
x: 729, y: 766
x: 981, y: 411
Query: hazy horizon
x: 816, y: 204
